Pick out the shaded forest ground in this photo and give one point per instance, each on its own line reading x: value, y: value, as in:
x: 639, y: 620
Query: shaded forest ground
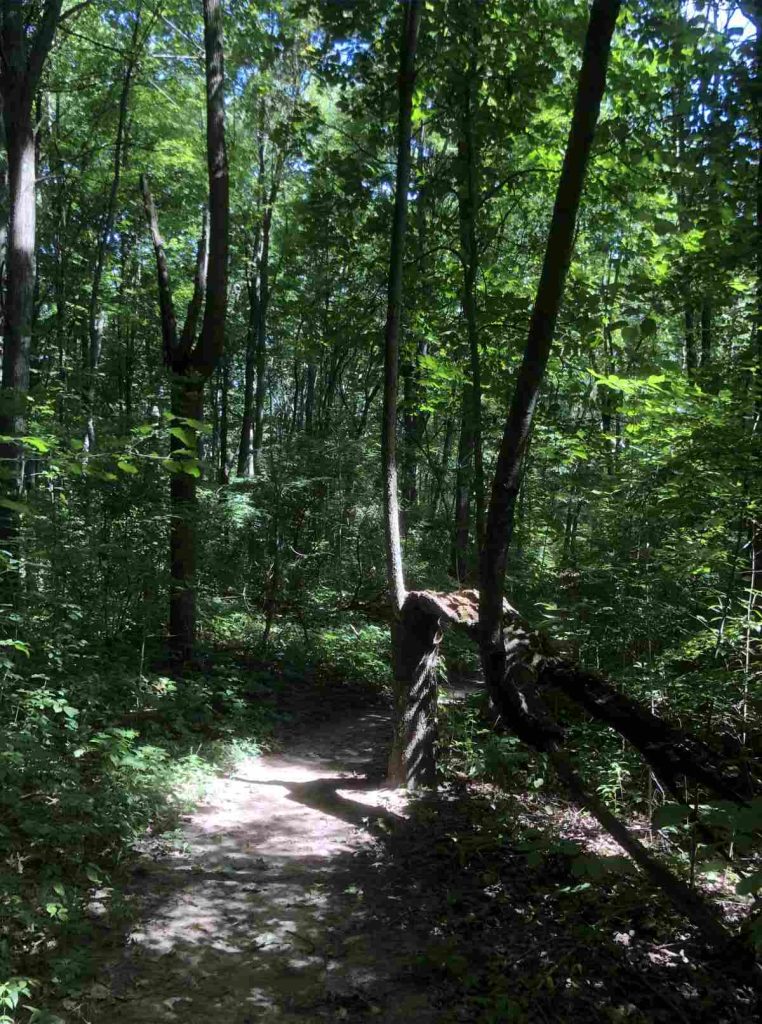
x: 299, y: 889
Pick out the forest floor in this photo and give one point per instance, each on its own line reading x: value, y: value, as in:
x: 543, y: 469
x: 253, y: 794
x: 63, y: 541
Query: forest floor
x: 302, y: 890
x: 236, y: 919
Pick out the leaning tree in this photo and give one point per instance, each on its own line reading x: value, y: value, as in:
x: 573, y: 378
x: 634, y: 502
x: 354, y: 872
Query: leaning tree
x: 521, y: 666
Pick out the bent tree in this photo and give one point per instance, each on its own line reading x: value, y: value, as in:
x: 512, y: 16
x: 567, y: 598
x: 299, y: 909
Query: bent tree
x: 404, y: 734
x: 520, y: 666
x: 191, y: 360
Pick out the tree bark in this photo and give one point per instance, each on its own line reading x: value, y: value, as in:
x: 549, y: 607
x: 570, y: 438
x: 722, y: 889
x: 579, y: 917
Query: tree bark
x: 463, y: 487
x: 187, y: 402
x: 309, y: 399
x: 24, y: 48
x: 223, y: 469
x: 756, y: 6
x: 402, y: 664
x: 414, y: 420
x: 412, y: 761
x: 706, y: 333
x: 590, y: 89
x: 211, y: 343
x: 245, y: 467
x: 520, y: 705
x: 394, y: 570
x: 690, y: 358
x: 468, y: 203
x: 261, y: 351
x: 192, y: 361
x: 94, y: 319
x: 413, y: 423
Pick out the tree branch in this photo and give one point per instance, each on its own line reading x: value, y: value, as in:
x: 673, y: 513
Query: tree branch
x: 166, y: 303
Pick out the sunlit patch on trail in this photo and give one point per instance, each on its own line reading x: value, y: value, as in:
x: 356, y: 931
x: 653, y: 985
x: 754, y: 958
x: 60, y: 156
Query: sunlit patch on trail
x: 245, y: 923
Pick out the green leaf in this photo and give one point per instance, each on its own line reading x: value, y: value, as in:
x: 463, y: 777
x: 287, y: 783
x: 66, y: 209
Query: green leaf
x: 669, y: 815
x: 197, y: 425
x: 37, y: 443
x: 647, y: 327
x: 127, y: 467
x: 187, y: 437
x: 17, y: 645
x: 750, y: 885
x: 14, y: 506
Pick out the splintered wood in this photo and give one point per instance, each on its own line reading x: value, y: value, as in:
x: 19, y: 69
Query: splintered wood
x: 458, y: 608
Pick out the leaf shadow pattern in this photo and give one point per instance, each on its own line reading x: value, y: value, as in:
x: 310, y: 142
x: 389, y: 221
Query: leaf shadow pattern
x: 247, y: 924
x: 505, y: 931
x: 309, y: 895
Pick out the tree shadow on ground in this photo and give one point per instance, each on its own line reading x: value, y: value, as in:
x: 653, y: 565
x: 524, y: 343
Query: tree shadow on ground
x: 325, y: 795
x: 305, y: 895
x: 507, y: 932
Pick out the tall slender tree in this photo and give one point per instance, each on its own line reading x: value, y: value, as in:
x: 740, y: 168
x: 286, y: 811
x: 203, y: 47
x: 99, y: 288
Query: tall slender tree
x: 550, y: 291
x: 192, y: 360
x: 94, y: 314
x: 406, y: 86
x: 27, y: 32
x: 470, y: 469
x: 405, y: 729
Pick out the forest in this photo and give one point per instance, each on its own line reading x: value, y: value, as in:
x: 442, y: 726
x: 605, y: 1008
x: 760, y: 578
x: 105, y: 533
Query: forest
x: 380, y: 511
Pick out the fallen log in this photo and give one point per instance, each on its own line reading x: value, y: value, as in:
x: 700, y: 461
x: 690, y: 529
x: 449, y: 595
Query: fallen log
x: 533, y: 663
x: 671, y: 752
x: 522, y: 667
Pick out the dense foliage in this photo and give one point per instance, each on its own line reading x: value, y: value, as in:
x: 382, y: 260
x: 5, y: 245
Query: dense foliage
x: 638, y: 532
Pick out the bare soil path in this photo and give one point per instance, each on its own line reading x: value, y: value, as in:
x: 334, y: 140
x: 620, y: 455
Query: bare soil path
x: 253, y: 919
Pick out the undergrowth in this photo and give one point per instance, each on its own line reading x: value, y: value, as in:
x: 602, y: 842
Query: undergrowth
x: 98, y: 750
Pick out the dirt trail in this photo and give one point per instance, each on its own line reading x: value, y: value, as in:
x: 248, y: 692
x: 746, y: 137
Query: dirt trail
x: 253, y: 919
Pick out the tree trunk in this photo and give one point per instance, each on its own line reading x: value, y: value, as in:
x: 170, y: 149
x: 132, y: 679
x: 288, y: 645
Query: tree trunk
x: 394, y: 570
x: 19, y: 308
x: 95, y: 317
x: 706, y: 333
x: 296, y: 400
x: 412, y: 761
x: 410, y: 434
x: 519, y: 703
x: 25, y: 48
x: 192, y: 361
x: 590, y: 89
x: 25, y: 42
x: 261, y: 350
x: 223, y: 471
x: 468, y: 204
x: 398, y: 766
x: 309, y: 399
x: 440, y: 473
x: 245, y: 466
x: 469, y: 478
x: 61, y: 305
x: 414, y: 421
x: 187, y: 402
x: 690, y: 359
x: 463, y: 482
